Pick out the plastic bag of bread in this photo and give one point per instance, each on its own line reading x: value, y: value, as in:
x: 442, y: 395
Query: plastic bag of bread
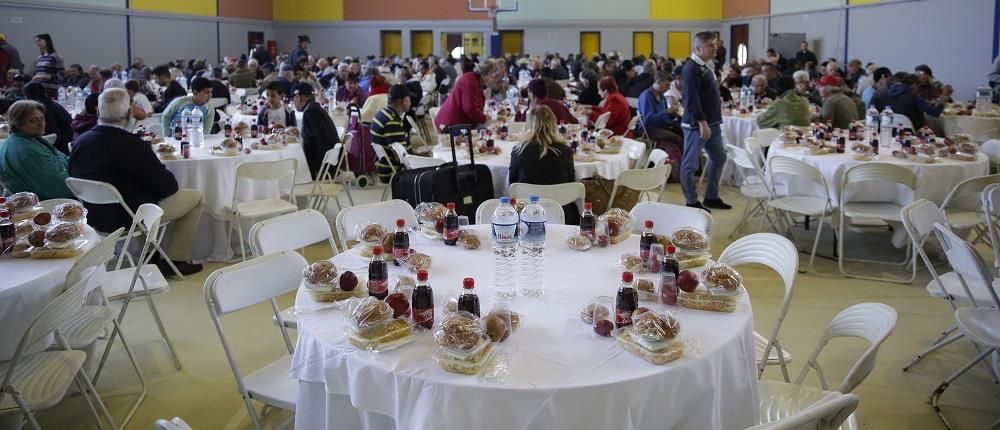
x: 721, y: 279
x: 578, y: 242
x: 619, y: 224
x: 701, y: 299
x: 690, y: 240
x: 429, y: 212
x: 73, y: 212
x: 629, y: 262
x: 370, y: 233
x: 23, y: 205
x: 653, y: 337
x: 461, y: 334
x: 418, y: 261
x: 62, y: 240
x: 588, y: 309
x: 372, y: 327
x: 468, y: 239
x: 322, y: 281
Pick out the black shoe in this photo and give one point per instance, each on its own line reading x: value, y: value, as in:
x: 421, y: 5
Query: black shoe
x: 697, y: 205
x: 185, y: 268
x: 716, y: 204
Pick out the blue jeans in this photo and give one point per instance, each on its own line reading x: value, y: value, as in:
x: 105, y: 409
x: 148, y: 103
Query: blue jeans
x: 716, y: 150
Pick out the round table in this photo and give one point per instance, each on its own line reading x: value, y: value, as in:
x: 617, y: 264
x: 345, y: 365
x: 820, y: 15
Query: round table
x: 561, y: 375
x: 28, y: 286
x: 608, y: 166
x: 949, y: 123
x: 737, y: 128
x: 339, y: 118
x: 215, y: 177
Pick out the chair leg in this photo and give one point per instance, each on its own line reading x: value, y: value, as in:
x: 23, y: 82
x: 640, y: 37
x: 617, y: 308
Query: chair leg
x: 229, y: 236
x: 88, y: 390
x: 812, y: 254
x: 239, y: 227
x: 781, y: 360
x: 942, y: 341
x: 159, y: 326
x: 138, y: 373
x: 24, y: 407
x: 252, y: 412
x: 936, y: 396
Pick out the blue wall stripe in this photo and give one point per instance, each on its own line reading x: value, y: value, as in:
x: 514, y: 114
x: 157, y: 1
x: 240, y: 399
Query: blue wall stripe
x: 996, y: 30
x: 847, y: 31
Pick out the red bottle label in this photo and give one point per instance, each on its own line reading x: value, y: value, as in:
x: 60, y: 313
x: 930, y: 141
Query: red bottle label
x: 623, y: 318
x: 377, y: 287
x: 424, y: 317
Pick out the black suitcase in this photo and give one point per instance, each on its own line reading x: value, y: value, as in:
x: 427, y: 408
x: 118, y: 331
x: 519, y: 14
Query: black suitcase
x: 467, y: 185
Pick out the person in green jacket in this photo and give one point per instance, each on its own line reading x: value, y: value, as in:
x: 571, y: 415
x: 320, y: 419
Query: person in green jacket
x: 201, y: 93
x: 27, y: 161
x: 838, y: 109
x: 789, y: 109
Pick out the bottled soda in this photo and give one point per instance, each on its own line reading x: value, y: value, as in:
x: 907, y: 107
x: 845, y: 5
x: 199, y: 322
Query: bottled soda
x: 645, y: 241
x: 400, y: 243
x: 8, y: 234
x: 588, y: 222
x: 378, y: 275
x: 668, y: 277
x: 423, y: 301
x: 451, y: 225
x: 229, y: 130
x: 469, y: 301
x: 626, y: 301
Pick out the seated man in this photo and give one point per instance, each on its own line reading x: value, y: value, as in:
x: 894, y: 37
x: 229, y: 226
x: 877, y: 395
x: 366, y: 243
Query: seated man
x: 57, y: 120
x: 904, y: 100
x: 172, y: 89
x: 243, y: 77
x: 28, y: 162
x: 16, y: 89
x: 201, y: 89
x: 275, y: 111
x: 804, y: 87
x: 838, y: 109
x: 388, y: 127
x: 318, y: 132
x: 661, y: 121
x: 760, y: 89
x: 538, y: 96
x: 789, y: 109
x: 109, y: 153
x: 75, y: 77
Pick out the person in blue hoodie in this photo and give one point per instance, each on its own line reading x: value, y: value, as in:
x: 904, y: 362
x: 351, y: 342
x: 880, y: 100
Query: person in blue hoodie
x: 903, y: 99
x: 660, y: 121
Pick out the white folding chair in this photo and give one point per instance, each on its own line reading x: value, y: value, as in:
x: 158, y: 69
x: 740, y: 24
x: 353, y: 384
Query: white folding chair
x: 991, y: 213
x: 633, y: 102
x: 765, y: 136
x: 564, y: 194
x: 484, y: 213
x: 380, y: 154
x: 39, y: 380
x: 51, y: 138
x: 420, y: 126
x: 882, y: 211
x: 400, y: 150
x: 808, y: 205
x: 103, y: 193
x: 962, y: 205
x: 175, y: 424
x: 981, y: 130
x: 827, y: 413
x: 417, y: 162
x: 754, y: 187
x: 991, y: 148
x: 327, y: 184
x: 902, y: 121
x: 241, y: 286
x: 217, y: 102
x: 554, y: 213
x: 642, y: 180
x: 778, y: 254
x: 873, y: 322
x: 602, y: 120
x: 668, y: 217
x: 277, y: 171
x: 385, y: 213
x: 980, y: 322
x: 636, y: 151
x: 657, y: 158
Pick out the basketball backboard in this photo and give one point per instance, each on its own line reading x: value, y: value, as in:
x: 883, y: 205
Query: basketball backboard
x: 492, y: 8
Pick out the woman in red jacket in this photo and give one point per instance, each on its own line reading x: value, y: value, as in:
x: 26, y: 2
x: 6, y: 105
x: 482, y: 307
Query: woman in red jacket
x: 614, y: 102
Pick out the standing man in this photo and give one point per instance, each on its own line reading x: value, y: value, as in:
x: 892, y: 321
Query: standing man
x: 10, y: 58
x: 299, y: 52
x: 805, y: 55
x: 702, y: 117
x: 318, y: 132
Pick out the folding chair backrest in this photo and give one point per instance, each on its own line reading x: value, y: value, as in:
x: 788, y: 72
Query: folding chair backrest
x: 780, y: 165
x: 95, y: 192
x: 765, y: 136
x: 768, y: 249
x: 380, y: 154
x: 669, y: 217
x: 385, y: 213
x: 741, y: 157
x: 658, y: 157
x: 644, y: 179
x: 635, y: 150
x: 633, y: 122
x: 99, y: 255
x: 826, y: 414
x: 248, y: 283
x: 399, y: 149
x: 876, y: 172
x: 873, y: 322
x: 966, y: 188
x: 991, y: 210
x: 145, y: 221
x: 266, y: 170
x: 217, y: 102
x: 416, y: 162
x: 902, y: 121
x: 602, y: 120
x: 484, y: 213
x: 564, y: 194
x: 919, y: 218
x: 966, y: 261
x: 289, y: 232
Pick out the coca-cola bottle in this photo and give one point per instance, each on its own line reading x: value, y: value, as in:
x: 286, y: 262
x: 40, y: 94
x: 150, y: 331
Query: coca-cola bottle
x: 469, y: 301
x: 668, y: 277
x: 626, y: 301
x: 451, y: 225
x: 588, y: 222
x: 423, y: 301
x: 646, y: 241
x: 229, y: 130
x: 400, y: 243
x: 378, y: 275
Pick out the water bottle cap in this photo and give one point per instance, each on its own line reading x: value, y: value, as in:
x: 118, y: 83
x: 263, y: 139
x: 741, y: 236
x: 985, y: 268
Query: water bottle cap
x: 505, y: 200
x: 468, y: 283
x: 400, y: 222
x: 671, y: 249
x: 533, y: 198
x: 451, y: 205
x: 421, y: 275
x: 587, y: 206
x: 649, y: 223
x: 377, y: 250
x: 626, y: 276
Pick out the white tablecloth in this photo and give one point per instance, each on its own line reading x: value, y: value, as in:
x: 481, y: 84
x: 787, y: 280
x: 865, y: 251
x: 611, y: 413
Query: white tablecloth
x: 738, y: 128
x: 215, y: 177
x: 934, y: 181
x: 26, y: 286
x: 950, y: 123
x: 562, y: 376
x: 606, y: 166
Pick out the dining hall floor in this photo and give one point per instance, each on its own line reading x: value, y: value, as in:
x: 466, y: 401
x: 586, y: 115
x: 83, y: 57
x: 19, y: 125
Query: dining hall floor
x: 204, y: 393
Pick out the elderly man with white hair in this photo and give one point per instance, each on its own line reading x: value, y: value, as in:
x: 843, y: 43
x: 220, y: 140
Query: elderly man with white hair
x: 109, y: 153
x: 805, y: 88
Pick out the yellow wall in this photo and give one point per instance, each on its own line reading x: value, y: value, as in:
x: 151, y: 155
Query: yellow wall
x: 190, y: 7
x: 642, y: 43
x: 308, y: 10
x: 678, y: 44
x: 392, y: 43
x: 685, y: 9
x: 512, y: 42
x: 421, y: 42
x: 590, y: 43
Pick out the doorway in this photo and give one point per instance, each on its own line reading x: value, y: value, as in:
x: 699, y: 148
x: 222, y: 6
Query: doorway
x: 511, y: 42
x: 739, y: 34
x: 421, y: 43
x: 678, y: 44
x: 642, y: 44
x: 590, y: 43
x: 253, y: 38
x: 457, y: 44
x: 392, y: 43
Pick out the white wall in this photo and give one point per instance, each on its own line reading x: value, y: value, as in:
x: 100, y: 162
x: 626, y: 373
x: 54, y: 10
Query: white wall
x: 233, y: 36
x: 103, y: 43
x: 158, y: 40
x: 789, y: 6
x: 824, y: 31
x: 573, y: 10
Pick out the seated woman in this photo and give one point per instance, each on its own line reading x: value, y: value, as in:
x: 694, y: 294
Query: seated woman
x: 28, y: 162
x: 86, y: 120
x: 588, y: 88
x: 614, y: 102
x: 543, y: 158
x: 376, y: 100
x: 538, y: 96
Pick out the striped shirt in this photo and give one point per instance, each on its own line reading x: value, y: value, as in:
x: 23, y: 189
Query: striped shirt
x: 387, y: 127
x: 49, y: 71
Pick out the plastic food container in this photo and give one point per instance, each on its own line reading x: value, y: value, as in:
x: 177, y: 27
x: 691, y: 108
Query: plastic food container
x: 673, y: 351
x: 332, y: 292
x: 704, y: 301
x: 385, y: 336
x: 469, y: 365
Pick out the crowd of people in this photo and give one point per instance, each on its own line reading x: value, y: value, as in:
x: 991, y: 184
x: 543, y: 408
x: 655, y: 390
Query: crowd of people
x: 679, y: 102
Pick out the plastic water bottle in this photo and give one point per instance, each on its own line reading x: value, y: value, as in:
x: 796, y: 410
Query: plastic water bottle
x: 198, y: 128
x: 984, y: 99
x: 183, y: 82
x: 504, y: 240
x: 533, y: 248
x: 186, y: 120
x: 331, y: 97
x: 871, y: 124
x: 62, y: 98
x: 885, y: 131
x: 78, y: 104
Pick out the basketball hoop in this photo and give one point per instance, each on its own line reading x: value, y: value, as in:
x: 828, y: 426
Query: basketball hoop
x: 492, y: 8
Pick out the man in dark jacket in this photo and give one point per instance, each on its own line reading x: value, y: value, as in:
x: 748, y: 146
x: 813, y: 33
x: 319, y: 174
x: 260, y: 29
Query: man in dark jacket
x: 57, y: 120
x: 701, y: 123
x: 299, y: 51
x: 173, y: 89
x: 642, y: 81
x: 260, y: 54
x: 905, y: 101
x: 805, y: 55
x: 318, y: 132
x: 109, y: 153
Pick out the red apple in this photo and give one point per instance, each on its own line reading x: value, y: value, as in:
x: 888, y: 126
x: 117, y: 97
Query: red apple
x: 496, y: 327
x: 439, y: 225
x: 603, y: 327
x: 613, y: 227
x: 687, y: 281
x: 398, y: 303
x: 348, y: 280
